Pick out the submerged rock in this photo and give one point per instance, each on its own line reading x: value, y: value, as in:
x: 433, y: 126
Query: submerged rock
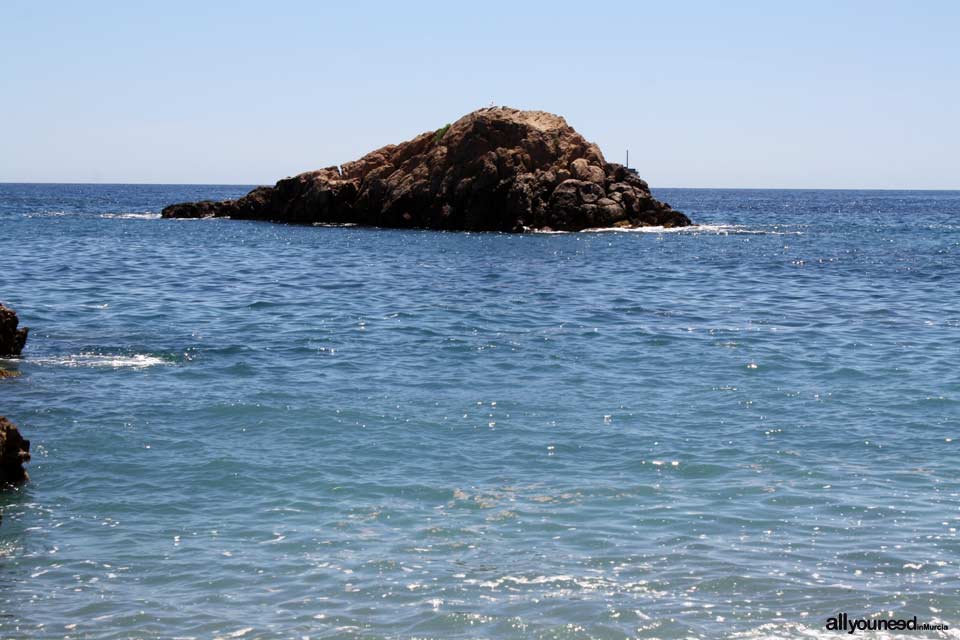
x: 12, y: 339
x: 14, y: 453
x: 496, y: 169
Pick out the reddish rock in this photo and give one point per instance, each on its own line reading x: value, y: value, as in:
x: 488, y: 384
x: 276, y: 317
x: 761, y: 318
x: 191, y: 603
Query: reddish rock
x: 12, y: 338
x: 495, y: 169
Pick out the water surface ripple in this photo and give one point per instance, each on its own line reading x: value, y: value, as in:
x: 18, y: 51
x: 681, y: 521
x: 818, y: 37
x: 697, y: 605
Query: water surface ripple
x: 248, y: 430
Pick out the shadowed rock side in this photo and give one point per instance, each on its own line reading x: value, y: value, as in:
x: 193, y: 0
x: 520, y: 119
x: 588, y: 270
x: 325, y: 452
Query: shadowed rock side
x: 12, y: 339
x: 14, y: 453
x: 495, y: 169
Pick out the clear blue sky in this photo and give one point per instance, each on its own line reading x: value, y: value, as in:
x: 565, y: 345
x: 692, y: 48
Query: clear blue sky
x: 705, y: 94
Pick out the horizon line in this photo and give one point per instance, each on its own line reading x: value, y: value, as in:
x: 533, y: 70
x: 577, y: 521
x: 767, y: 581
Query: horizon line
x: 253, y: 184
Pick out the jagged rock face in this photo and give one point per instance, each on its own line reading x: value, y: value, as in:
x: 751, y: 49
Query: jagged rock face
x: 495, y: 169
x: 12, y: 338
x: 14, y: 453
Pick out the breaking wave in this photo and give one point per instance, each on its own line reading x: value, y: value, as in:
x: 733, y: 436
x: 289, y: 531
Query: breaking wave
x: 114, y: 361
x: 131, y: 216
x: 716, y: 229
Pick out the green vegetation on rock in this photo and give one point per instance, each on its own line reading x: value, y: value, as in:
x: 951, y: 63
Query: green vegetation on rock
x: 439, y: 133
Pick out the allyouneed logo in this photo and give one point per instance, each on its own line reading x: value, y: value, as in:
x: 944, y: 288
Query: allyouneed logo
x: 843, y: 622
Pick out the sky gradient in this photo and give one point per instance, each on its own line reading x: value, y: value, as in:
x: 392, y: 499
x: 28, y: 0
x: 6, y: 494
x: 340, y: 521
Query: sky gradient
x: 704, y: 94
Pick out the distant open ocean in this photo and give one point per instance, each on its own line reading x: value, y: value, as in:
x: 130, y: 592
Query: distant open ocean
x: 251, y: 430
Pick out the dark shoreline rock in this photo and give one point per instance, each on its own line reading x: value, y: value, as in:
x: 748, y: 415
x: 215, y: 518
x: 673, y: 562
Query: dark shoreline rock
x: 496, y: 169
x: 14, y: 453
x: 12, y: 339
x: 14, y: 449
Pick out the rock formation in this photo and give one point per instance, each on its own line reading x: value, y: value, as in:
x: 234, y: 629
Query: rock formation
x: 14, y: 452
x: 12, y: 339
x: 495, y: 169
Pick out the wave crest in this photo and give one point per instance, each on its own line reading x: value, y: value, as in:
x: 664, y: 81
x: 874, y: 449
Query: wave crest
x: 114, y: 361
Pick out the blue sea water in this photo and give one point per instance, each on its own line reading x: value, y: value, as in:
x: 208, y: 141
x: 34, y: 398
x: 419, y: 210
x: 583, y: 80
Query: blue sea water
x: 250, y: 430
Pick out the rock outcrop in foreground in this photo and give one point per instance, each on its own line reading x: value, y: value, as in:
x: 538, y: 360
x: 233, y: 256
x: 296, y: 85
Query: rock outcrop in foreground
x: 12, y: 338
x: 495, y: 169
x: 14, y: 452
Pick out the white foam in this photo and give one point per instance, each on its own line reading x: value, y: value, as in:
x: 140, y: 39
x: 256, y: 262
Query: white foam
x: 718, y: 229
x: 131, y: 216
x: 135, y: 361
x: 49, y: 214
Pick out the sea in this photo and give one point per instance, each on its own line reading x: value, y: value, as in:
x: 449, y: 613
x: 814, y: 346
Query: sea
x: 252, y: 430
